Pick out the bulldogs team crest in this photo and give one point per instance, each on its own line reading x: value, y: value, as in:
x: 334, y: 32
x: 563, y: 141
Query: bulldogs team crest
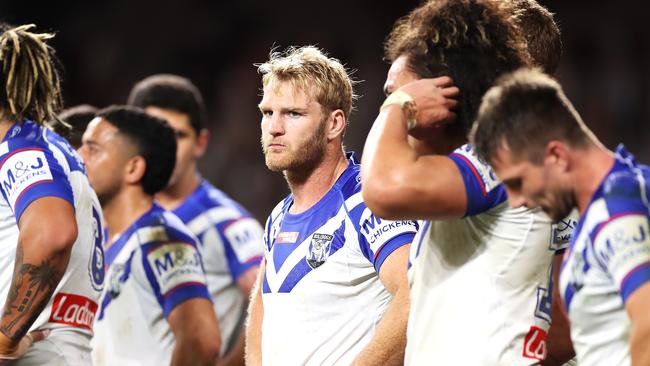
x: 319, y: 249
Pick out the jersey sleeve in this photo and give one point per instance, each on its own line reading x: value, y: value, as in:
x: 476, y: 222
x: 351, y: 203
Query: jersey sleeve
x: 484, y: 191
x: 175, y: 271
x: 30, y: 173
x: 562, y: 232
x: 379, y: 238
x: 243, y: 243
x: 622, y: 247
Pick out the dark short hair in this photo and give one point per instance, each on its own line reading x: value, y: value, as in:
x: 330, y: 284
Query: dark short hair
x: 77, y: 118
x: 524, y: 111
x: 472, y: 41
x: 153, y: 139
x: 542, y: 33
x: 169, y: 91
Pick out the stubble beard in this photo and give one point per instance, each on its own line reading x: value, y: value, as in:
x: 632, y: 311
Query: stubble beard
x: 563, y: 205
x: 304, y: 159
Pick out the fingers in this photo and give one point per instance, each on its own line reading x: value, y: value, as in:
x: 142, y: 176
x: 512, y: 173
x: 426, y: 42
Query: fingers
x: 38, y: 335
x: 451, y: 91
x: 443, y: 81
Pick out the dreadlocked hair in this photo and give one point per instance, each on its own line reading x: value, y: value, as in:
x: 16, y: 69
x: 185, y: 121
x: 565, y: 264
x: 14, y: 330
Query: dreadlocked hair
x: 29, y: 79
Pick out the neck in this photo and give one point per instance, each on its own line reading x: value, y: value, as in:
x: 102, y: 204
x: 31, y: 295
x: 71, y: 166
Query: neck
x: 5, y: 125
x: 124, y: 209
x: 309, y: 187
x: 175, y: 194
x: 592, y: 166
x: 440, y: 142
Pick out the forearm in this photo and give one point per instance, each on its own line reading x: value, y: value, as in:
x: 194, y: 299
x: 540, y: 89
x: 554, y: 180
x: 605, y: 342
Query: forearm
x: 37, y: 273
x: 235, y: 356
x: 389, y: 342
x: 640, y: 346
x: 254, y: 330
x: 186, y: 352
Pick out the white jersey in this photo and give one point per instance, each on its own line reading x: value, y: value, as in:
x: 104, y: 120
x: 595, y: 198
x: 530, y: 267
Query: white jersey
x: 37, y: 163
x: 608, y: 259
x: 481, y: 285
x: 152, y: 267
x: 321, y: 291
x: 230, y: 241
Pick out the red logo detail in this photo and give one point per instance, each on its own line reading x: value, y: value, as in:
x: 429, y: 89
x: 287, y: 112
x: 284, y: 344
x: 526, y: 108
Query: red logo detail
x: 74, y: 310
x: 535, y: 343
x: 287, y: 237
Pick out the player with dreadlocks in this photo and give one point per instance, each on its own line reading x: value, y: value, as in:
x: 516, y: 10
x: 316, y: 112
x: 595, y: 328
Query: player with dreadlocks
x: 50, y: 220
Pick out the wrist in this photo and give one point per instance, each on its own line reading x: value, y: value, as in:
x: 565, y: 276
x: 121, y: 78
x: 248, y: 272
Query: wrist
x: 7, y: 345
x: 407, y: 104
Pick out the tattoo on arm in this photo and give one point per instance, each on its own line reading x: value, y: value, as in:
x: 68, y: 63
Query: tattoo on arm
x: 31, y: 288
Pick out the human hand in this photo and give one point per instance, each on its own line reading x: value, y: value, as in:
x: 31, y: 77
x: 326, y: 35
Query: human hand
x: 434, y: 100
x: 10, y: 351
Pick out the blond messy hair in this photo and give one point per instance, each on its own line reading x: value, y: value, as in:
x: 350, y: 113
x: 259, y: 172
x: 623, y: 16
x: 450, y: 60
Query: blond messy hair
x: 309, y: 69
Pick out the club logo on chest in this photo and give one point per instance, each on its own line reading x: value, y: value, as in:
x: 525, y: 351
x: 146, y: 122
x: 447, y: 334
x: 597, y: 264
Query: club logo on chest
x: 319, y: 249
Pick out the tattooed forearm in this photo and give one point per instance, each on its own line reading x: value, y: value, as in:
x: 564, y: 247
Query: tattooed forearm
x: 31, y: 287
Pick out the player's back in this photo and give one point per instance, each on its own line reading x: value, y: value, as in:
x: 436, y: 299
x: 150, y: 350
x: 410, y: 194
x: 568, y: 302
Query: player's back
x: 608, y: 259
x: 230, y: 241
x: 480, y: 288
x: 151, y: 268
x: 38, y: 163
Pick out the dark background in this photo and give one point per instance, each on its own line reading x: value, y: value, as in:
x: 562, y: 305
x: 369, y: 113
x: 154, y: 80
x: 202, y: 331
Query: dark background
x: 107, y: 46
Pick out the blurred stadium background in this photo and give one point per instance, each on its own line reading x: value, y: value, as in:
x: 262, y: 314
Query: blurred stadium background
x: 107, y: 46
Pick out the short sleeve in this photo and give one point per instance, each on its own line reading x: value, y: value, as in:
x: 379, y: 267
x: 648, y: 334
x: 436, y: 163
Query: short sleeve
x: 243, y: 243
x: 622, y: 246
x: 28, y: 174
x: 562, y: 232
x: 484, y: 191
x: 175, y: 272
x: 378, y: 238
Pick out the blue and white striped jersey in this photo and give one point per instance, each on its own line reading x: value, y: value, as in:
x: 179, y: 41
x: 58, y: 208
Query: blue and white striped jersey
x: 36, y: 163
x: 481, y: 290
x: 152, y: 267
x: 608, y: 259
x: 321, y: 291
x: 230, y: 241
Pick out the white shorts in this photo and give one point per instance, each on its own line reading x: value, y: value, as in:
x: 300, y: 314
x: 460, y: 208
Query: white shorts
x: 62, y: 347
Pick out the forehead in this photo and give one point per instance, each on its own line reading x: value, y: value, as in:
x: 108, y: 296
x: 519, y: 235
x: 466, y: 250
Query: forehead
x: 399, y: 74
x: 176, y: 119
x: 507, y: 165
x: 286, y: 93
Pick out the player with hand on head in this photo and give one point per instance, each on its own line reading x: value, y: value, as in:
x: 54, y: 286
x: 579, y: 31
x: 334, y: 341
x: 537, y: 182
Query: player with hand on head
x: 332, y: 289
x: 473, y: 249
x: 547, y: 157
x: 51, y: 234
x: 155, y: 308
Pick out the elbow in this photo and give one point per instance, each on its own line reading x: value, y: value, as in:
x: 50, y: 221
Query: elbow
x: 206, y: 348
x: 384, y: 198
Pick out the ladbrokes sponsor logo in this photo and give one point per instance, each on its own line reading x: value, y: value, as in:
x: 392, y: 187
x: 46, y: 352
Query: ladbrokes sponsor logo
x: 74, y: 310
x: 535, y: 343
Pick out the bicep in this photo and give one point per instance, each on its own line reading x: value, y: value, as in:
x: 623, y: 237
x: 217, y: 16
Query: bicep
x: 50, y: 218
x: 191, y: 317
x: 393, y: 271
x: 431, y: 187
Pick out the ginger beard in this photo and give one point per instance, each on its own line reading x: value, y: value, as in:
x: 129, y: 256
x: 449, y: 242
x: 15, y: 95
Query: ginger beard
x: 303, y: 155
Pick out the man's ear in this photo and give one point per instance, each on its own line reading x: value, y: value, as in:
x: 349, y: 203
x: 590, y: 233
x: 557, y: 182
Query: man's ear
x: 557, y: 154
x: 336, y: 124
x: 201, y: 143
x: 134, y: 170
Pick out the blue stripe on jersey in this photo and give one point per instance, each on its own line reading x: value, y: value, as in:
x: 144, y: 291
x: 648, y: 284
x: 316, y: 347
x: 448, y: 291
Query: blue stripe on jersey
x: 302, y: 268
x: 108, y: 294
x: 114, y: 249
x: 478, y: 199
x: 304, y: 224
x: 182, y: 293
x: 388, y: 248
x: 634, y: 279
x: 265, y: 286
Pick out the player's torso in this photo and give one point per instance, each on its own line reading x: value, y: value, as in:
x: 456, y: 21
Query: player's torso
x: 322, y: 297
x: 600, y: 327
x: 28, y: 161
x: 223, y: 231
x: 131, y: 327
x: 480, y: 292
